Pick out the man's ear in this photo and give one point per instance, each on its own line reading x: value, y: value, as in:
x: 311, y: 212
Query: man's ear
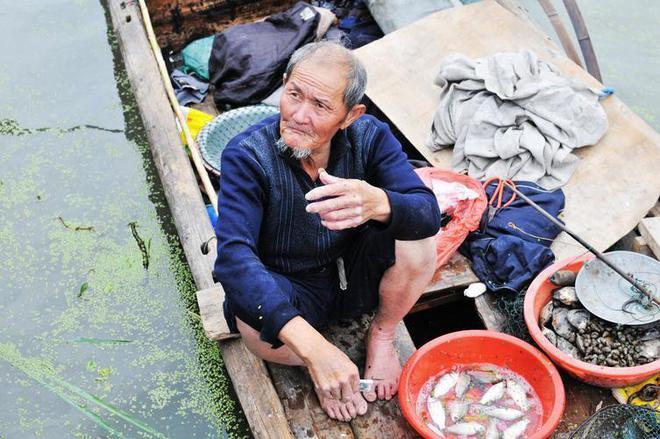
x: 353, y: 115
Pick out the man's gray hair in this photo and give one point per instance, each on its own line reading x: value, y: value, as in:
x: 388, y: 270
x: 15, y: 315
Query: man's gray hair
x: 357, y: 75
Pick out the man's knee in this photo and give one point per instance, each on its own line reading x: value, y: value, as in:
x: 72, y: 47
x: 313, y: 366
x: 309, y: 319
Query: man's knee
x: 263, y: 350
x: 418, y: 258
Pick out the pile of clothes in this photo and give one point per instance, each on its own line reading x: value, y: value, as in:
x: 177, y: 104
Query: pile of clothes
x: 245, y: 62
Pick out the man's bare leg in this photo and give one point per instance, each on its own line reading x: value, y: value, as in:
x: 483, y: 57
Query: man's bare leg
x: 400, y: 288
x: 284, y: 355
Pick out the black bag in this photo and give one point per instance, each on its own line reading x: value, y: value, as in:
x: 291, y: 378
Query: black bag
x: 247, y: 61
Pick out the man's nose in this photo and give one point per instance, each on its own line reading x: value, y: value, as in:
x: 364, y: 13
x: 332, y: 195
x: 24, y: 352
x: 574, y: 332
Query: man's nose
x: 301, y: 113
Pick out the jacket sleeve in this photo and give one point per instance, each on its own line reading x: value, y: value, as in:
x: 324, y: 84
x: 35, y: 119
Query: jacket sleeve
x: 252, y: 293
x: 415, y: 213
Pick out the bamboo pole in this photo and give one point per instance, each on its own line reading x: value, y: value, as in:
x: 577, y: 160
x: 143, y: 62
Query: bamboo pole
x: 194, y: 151
x: 560, y: 29
x: 583, y: 38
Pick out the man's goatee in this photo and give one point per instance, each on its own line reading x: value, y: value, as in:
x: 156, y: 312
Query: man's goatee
x: 298, y: 153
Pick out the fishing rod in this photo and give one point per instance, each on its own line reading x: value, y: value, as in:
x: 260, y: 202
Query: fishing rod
x: 639, y: 286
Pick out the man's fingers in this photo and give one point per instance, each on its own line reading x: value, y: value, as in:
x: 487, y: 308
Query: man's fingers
x: 337, y: 203
x: 341, y: 225
x: 329, y: 190
x: 342, y: 214
x: 327, y: 178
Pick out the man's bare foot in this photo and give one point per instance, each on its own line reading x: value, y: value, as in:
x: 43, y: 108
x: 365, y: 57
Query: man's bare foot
x: 382, y: 363
x: 341, y: 411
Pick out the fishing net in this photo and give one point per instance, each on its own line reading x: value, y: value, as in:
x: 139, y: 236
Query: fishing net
x: 620, y: 422
x: 511, y: 306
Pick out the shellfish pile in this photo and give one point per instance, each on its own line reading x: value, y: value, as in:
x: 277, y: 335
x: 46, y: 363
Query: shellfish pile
x: 583, y: 336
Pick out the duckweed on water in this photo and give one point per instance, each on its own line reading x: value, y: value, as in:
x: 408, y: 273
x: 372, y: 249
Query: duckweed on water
x: 94, y: 342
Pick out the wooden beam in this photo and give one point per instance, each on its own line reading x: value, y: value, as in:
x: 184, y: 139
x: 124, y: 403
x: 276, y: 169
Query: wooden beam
x: 649, y: 228
x: 212, y: 315
x: 655, y: 210
x: 254, y: 389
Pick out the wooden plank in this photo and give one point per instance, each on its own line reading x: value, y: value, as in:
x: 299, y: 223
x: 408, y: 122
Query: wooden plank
x: 301, y: 406
x: 655, y: 210
x: 179, y: 22
x: 456, y: 273
x: 382, y: 416
x: 255, y: 391
x: 402, y: 65
x: 487, y: 311
x: 582, y: 401
x: 212, y: 314
x: 639, y: 245
x: 649, y: 228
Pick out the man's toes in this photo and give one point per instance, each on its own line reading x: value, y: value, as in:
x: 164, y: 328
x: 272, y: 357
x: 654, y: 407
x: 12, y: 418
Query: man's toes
x: 346, y: 416
x: 388, y: 392
x: 394, y: 388
x: 352, y: 411
x: 380, y: 389
x: 370, y: 396
x: 361, y: 405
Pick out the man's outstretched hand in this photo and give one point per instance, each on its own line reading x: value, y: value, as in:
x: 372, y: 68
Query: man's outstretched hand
x: 336, y: 378
x: 343, y: 203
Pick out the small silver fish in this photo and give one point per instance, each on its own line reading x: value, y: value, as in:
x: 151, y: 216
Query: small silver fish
x: 515, y: 430
x: 437, y: 412
x: 462, y: 384
x: 504, y: 413
x: 465, y: 428
x: 445, y: 384
x: 518, y: 394
x: 492, y: 432
x: 435, y: 429
x: 458, y: 409
x: 485, y: 376
x: 494, y: 393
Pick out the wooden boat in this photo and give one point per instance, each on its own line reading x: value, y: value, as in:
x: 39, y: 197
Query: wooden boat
x: 278, y: 402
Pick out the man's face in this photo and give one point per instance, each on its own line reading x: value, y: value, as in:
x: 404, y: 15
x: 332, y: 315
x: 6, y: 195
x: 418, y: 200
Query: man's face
x: 312, y: 106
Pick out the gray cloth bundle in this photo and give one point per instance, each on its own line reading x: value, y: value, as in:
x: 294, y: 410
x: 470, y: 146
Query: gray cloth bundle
x: 512, y: 115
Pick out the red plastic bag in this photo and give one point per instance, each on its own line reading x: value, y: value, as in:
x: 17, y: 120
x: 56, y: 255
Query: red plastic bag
x: 462, y: 198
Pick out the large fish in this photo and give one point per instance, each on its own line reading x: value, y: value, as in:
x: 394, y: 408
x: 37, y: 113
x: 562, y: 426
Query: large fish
x: 516, y: 430
x: 494, y: 393
x: 518, y: 394
x: 445, y: 384
x: 436, y: 412
x: 466, y: 428
x: 504, y: 413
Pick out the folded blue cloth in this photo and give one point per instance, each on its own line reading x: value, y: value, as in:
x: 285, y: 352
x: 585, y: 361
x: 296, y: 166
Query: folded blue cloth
x: 188, y: 89
x: 508, y: 251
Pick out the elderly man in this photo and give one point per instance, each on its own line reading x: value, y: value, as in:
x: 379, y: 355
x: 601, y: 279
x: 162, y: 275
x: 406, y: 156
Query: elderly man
x: 321, y: 217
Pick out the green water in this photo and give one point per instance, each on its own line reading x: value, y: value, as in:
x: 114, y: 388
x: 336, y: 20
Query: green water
x: 92, y: 343
x: 625, y: 36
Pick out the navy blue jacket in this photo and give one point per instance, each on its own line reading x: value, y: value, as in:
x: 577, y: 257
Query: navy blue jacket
x: 263, y: 226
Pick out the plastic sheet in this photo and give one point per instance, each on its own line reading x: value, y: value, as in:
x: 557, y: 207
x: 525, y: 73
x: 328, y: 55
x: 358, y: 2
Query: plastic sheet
x: 463, y: 199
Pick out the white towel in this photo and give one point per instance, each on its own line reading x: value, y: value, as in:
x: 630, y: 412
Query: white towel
x: 512, y: 115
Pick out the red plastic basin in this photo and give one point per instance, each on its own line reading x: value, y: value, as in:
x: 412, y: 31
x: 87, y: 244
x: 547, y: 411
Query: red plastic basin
x: 538, y: 295
x: 469, y: 347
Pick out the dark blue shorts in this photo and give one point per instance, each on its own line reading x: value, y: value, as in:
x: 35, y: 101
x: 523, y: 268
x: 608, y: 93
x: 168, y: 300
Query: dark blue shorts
x: 319, y: 296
